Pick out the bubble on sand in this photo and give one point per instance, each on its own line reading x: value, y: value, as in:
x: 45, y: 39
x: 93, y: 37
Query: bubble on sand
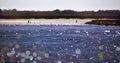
x: 46, y: 55
x: 34, y: 46
x: 58, y: 61
x: 31, y: 58
x: 2, y: 59
x: 91, y: 58
x: 12, y: 58
x: 16, y: 33
x: 18, y: 54
x: 77, y: 31
x: 71, y: 62
x: 9, y: 54
x: 17, y: 46
x: 22, y: 60
x: 10, y: 44
x: 34, y: 54
x: 18, y: 37
x: 22, y: 54
x: 117, y: 32
x: 100, y: 47
x: 117, y: 48
x: 34, y: 61
x: 26, y: 57
x: 27, y: 52
x: 78, y: 51
x: 38, y: 58
x: 4, y: 49
x: 100, y: 55
x: 107, y: 31
x: 13, y: 52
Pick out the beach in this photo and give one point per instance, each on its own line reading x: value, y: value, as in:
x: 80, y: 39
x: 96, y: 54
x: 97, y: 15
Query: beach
x: 44, y: 21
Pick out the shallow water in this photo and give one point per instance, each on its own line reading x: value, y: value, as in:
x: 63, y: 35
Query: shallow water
x: 59, y: 44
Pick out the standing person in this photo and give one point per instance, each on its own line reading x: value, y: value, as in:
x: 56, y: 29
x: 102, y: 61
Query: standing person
x: 28, y: 21
x: 76, y: 21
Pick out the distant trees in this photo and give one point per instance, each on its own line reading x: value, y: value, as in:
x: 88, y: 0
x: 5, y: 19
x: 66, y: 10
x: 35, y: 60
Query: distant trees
x: 13, y: 13
x: 0, y: 12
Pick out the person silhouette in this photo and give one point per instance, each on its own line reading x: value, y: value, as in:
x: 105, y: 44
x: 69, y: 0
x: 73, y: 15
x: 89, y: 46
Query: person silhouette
x: 28, y: 21
x: 76, y: 21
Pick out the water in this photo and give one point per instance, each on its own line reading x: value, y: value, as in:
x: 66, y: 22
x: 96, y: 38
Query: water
x: 59, y: 44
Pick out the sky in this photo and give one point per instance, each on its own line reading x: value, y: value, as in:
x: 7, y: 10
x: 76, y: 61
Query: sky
x: 78, y: 5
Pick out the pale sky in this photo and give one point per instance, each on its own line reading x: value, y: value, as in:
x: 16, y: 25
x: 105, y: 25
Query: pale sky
x: 78, y: 5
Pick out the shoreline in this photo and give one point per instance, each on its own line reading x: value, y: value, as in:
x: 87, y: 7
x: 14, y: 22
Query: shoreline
x: 105, y: 21
x: 44, y: 21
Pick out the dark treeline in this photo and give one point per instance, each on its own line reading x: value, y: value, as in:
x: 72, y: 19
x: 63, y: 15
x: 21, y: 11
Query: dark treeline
x: 59, y: 14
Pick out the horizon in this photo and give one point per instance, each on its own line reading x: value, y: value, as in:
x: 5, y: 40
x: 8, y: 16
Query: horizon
x: 44, y: 5
x: 63, y: 10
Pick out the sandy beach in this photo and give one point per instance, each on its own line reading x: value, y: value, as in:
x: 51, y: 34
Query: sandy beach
x: 44, y: 21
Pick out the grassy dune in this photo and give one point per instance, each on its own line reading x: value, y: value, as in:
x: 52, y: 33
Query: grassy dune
x: 115, y: 22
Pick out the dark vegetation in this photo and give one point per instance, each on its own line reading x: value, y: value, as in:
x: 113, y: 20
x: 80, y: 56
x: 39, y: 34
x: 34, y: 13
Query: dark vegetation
x: 14, y: 14
x: 105, y: 22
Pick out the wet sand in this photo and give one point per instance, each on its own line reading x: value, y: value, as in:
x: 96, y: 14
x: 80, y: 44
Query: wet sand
x: 59, y: 44
x: 44, y: 21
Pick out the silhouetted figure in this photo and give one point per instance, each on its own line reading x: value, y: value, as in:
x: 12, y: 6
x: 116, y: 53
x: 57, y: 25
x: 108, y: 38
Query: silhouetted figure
x: 76, y: 21
x: 29, y: 21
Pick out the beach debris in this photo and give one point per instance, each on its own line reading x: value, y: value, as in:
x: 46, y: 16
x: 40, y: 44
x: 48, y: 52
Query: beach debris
x: 87, y: 33
x: 117, y: 48
x: 34, y: 61
x: 34, y: 46
x: 11, y: 58
x: 26, y: 56
x: 34, y: 54
x: 9, y: 54
x: 100, y: 55
x: 12, y: 52
x: 60, y: 33
x: 2, y: 59
x: 23, y: 54
x: 27, y: 52
x: 71, y: 62
x: 17, y: 46
x: 18, y: 54
x: 31, y: 58
x: 4, y: 49
x: 91, y: 58
x: 77, y: 31
x: 114, y: 46
x: 18, y: 36
x: 100, y: 47
x: 59, y: 62
x: 78, y: 51
x: 46, y: 55
x: 117, y: 32
x: 10, y: 44
x: 38, y: 58
x: 107, y: 31
x: 22, y: 60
